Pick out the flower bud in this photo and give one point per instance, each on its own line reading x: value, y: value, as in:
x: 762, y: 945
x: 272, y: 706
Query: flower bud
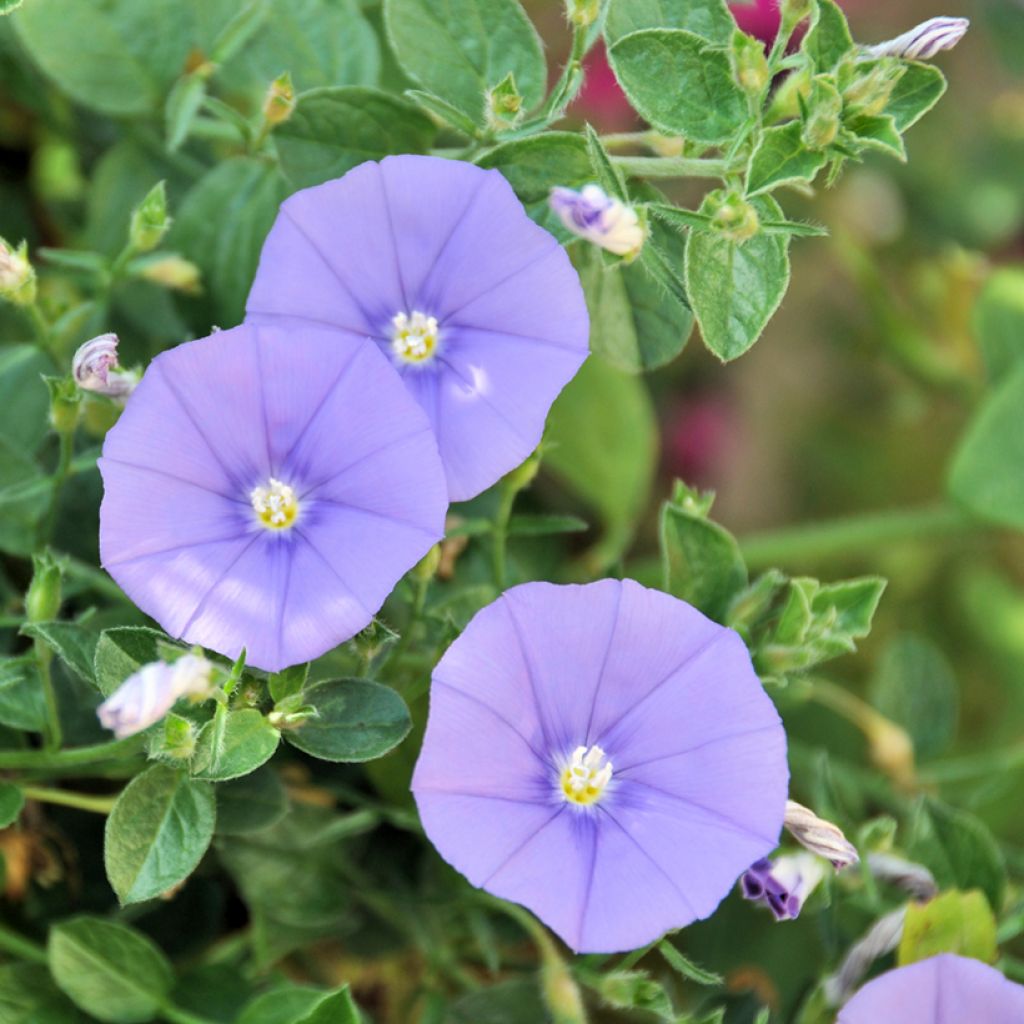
x: 794, y: 11
x: 172, y: 272
x: 279, y: 103
x: 732, y: 216
x: 95, y: 368
x: 504, y: 105
x: 891, y: 749
x: 599, y: 218
x: 870, y: 93
x: 783, y: 885
x: 177, y: 742
x: 150, y: 221
x: 913, y: 878
x: 749, y: 63
x: 924, y: 41
x: 561, y: 993
x: 823, y: 109
x: 582, y: 13
x: 17, y: 278
x: 42, y: 600
x: 819, y: 836
x: 426, y: 568
x: 65, y: 404
x: 145, y: 697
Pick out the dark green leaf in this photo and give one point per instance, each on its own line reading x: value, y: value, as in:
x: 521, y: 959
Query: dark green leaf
x: 955, y: 922
x: 708, y: 18
x: 21, y: 694
x: 24, y: 403
x: 829, y: 39
x: 157, y: 833
x: 508, y: 1002
x: 917, y: 91
x: 781, y: 158
x: 357, y: 720
x: 461, y: 48
x: 29, y: 996
x: 122, y: 651
x: 288, y: 682
x: 24, y: 499
x: 251, y: 803
x: 680, y: 83
x: 334, y: 129
x: 109, y: 970
x: 73, y: 643
x: 233, y: 744
x: 11, y: 802
x: 335, y: 1008
x: 999, y: 321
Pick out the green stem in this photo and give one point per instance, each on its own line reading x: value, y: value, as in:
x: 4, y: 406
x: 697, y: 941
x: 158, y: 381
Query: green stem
x: 499, y: 535
x: 973, y: 766
x: 60, y: 475
x: 65, y: 798
x: 671, y: 166
x: 17, y: 945
x: 37, y: 760
x: 53, y: 735
x: 855, y: 535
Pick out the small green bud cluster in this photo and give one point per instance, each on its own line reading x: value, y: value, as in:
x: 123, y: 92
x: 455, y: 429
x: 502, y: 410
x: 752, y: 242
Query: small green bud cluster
x: 732, y: 216
x: 279, y: 102
x: 17, y: 278
x: 504, y: 108
x: 749, y: 64
x: 150, y: 221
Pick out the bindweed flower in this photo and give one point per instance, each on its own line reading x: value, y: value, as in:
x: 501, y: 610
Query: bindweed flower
x: 477, y: 308
x: 944, y: 989
x: 925, y: 40
x: 146, y: 697
x: 604, y: 755
x: 819, y: 836
x: 95, y: 368
x: 784, y: 884
x: 599, y: 218
x: 266, y: 489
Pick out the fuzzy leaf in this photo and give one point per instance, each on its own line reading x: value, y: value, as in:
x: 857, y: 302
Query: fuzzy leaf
x: 781, y: 158
x: 918, y: 90
x: 708, y: 18
x: 250, y: 803
x: 233, y: 744
x: 829, y: 39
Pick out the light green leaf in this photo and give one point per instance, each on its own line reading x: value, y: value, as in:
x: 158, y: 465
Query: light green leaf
x: 334, y: 129
x: 74, y: 644
x: 11, y: 802
x: 285, y: 1005
x: 545, y: 525
x: 999, y: 321
x: 24, y: 403
x: 918, y: 90
x: 987, y: 475
x: 955, y: 922
x: 701, y: 560
x: 21, y: 694
x: 336, y: 1008
x: 686, y: 967
x: 122, y: 650
x: 183, y: 103
x: 9, y: 6
x: 781, y: 158
x: 457, y: 49
x: 357, y: 720
x: 602, y: 443
x: 708, y: 18
x: 111, y: 971
x: 250, y: 803
x: 443, y: 110
x: 29, y: 996
x: 828, y: 39
x: 233, y: 744
x: 680, y: 83
x: 877, y: 132
x: 157, y: 833
x: 734, y: 289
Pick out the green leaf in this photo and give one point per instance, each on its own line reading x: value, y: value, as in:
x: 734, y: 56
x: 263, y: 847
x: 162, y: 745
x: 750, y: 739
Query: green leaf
x: 987, y: 474
x: 701, y: 560
x: 734, y: 289
x: 21, y: 694
x: 829, y: 39
x: 116, y: 57
x: 602, y: 443
x: 443, y: 110
x: 24, y: 499
x: 286, y: 1005
x: 122, y: 650
x: 781, y: 158
x: 708, y: 18
x: 157, y: 833
x: 609, y: 177
x: 289, y: 681
x: 915, y: 687
x: 11, y: 802
x: 24, y: 404
x: 878, y: 132
x: 959, y: 850
x: 687, y: 968
x: 999, y: 321
x: 183, y: 103
x: 336, y: 1008
x: 29, y: 996
x: 955, y: 922
x: 334, y: 129
x: 461, y: 48
x: 221, y: 226
x: 250, y: 803
x: 680, y: 83
x: 545, y: 525
x: 109, y: 970
x: 634, y: 990
x: 508, y: 1002
x: 73, y: 643
x: 918, y: 90
x: 357, y: 720
x: 233, y: 744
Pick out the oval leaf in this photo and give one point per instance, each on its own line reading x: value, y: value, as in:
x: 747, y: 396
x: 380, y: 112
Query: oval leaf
x: 232, y: 744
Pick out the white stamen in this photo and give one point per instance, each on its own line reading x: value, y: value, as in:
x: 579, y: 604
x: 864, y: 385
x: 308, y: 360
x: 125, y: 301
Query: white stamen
x: 275, y: 504
x: 414, y: 339
x: 586, y: 775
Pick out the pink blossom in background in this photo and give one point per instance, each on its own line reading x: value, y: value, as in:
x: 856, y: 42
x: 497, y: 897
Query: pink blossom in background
x: 601, y: 101
x: 698, y: 434
x: 760, y: 18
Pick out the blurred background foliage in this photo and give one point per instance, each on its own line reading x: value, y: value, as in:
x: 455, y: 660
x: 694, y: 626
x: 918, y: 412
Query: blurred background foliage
x: 854, y: 402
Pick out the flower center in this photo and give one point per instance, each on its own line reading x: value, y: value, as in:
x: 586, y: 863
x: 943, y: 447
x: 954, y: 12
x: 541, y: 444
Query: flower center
x: 275, y: 504
x: 586, y: 775
x: 414, y: 339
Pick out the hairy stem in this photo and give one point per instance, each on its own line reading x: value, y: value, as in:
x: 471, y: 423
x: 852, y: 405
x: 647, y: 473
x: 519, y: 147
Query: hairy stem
x: 17, y: 945
x: 66, y: 798
x: 671, y: 166
x: 41, y: 760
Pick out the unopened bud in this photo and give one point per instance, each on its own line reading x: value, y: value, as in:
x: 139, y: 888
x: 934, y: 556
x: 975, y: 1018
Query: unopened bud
x: 794, y: 11
x: 426, y: 568
x: 732, y: 216
x: 95, y: 368
x: 279, y: 103
x: 823, y: 110
x: 819, y: 836
x: 172, y: 272
x: 150, y: 221
x: 749, y: 63
x: 869, y: 94
x: 504, y: 105
x: 561, y: 993
x: 582, y: 13
x: 599, y: 218
x: 42, y: 600
x: 177, y: 742
x: 17, y: 278
x: 891, y: 749
x: 65, y: 403
x: 913, y: 878
x: 881, y: 939
x: 924, y: 41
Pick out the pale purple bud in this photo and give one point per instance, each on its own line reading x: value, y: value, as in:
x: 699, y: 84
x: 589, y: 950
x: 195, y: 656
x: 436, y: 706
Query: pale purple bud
x: 913, y: 878
x: 819, y: 836
x: 95, y: 368
x: 881, y: 939
x: 925, y: 40
x: 783, y: 885
x: 145, y: 697
x: 599, y: 218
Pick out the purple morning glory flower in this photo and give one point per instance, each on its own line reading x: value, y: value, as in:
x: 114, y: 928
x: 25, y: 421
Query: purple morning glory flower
x: 783, y: 885
x: 945, y: 989
x: 436, y: 261
x: 266, y: 489
x: 604, y: 755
